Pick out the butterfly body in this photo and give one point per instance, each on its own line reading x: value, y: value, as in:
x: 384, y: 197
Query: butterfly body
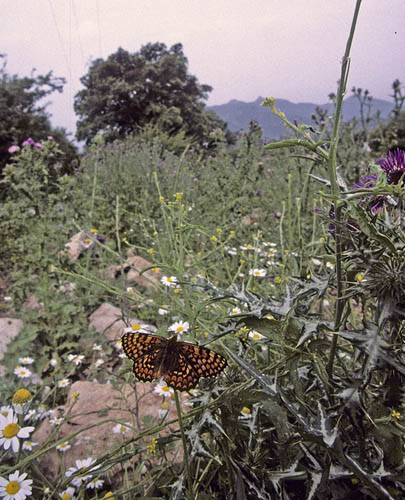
x: 181, y: 364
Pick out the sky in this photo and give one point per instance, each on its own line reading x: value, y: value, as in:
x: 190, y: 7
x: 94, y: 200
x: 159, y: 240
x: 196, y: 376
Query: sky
x: 289, y: 49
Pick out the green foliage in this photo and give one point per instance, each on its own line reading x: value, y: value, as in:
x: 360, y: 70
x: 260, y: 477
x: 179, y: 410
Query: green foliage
x: 151, y: 87
x: 23, y: 114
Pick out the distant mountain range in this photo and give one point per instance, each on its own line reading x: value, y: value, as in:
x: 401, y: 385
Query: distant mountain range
x: 238, y: 114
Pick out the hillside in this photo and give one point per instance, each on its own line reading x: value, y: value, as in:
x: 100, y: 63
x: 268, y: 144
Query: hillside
x: 238, y: 114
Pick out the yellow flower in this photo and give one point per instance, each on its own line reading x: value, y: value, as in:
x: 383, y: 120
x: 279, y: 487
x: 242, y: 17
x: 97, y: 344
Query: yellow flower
x: 155, y: 233
x: 136, y: 327
x: 277, y: 280
x: 214, y: 239
x: 22, y: 396
x: 396, y: 414
x: 219, y: 230
x: 359, y: 277
x: 151, y: 447
x: 178, y: 196
x: 93, y: 230
x: 150, y: 251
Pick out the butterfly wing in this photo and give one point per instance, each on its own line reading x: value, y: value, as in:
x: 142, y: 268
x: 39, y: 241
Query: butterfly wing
x: 146, y: 351
x: 194, y: 362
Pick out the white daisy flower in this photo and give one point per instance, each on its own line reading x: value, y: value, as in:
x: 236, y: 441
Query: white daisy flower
x: 330, y: 265
x: 162, y: 311
x: 179, y: 327
x: 64, y: 382
x: 162, y: 389
x: 256, y: 335
x: 76, y: 358
x: 169, y: 281
x: 118, y: 345
x: 245, y: 413
x: 97, y: 347
x: 25, y: 361
x: 5, y: 410
x: 28, y: 445
x: 22, y: 372
x: 68, y: 494
x: 16, y: 487
x: 234, y: 311
x: 10, y: 431
x: 121, y: 428
x: 95, y: 483
x: 63, y: 447
x: 258, y: 273
x: 30, y: 415
x: 53, y: 362
x: 81, y: 465
x: 99, y: 362
x: 56, y: 421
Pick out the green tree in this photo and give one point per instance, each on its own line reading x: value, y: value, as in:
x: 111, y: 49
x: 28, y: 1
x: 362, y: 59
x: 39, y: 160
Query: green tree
x: 23, y: 112
x: 151, y: 87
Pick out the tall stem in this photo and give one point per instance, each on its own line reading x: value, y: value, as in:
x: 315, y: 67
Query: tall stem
x: 335, y: 187
x: 185, y: 452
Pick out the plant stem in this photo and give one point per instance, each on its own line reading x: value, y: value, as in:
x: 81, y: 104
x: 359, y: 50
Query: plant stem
x: 335, y: 187
x: 185, y: 453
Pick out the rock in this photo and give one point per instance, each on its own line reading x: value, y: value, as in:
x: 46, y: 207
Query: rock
x: 9, y: 328
x: 133, y: 267
x: 108, y: 319
x: 77, y: 244
x: 97, y: 403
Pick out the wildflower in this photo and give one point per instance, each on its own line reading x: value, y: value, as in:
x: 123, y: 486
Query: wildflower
x: 109, y: 496
x: 245, y: 413
x: 81, y: 466
x: 396, y: 414
x: 28, y: 445
x: 97, y: 347
x: 258, y: 273
x: 25, y: 361
x: 121, y: 428
x: 330, y: 265
x: 99, y: 362
x: 118, y: 345
x: 95, y: 483
x: 162, y: 389
x: 63, y: 447
x: 68, y: 494
x: 10, y: 431
x: 179, y: 327
x: 234, y: 311
x: 256, y: 335
x: 393, y: 165
x: 16, y: 487
x: 76, y: 358
x: 53, y: 362
x: 22, y: 372
x: 28, y: 142
x: 164, y: 410
x: 21, y: 401
x: 13, y: 149
x: 169, y: 281
x: 31, y: 414
x: 5, y: 410
x: 151, y: 447
x: 56, y: 420
x: 359, y: 277
x: 63, y: 383
x: 162, y: 311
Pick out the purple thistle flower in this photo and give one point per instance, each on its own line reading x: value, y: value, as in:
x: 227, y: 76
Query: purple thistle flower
x: 393, y: 165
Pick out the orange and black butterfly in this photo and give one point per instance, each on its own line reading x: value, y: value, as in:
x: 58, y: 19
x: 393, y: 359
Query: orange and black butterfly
x: 179, y: 363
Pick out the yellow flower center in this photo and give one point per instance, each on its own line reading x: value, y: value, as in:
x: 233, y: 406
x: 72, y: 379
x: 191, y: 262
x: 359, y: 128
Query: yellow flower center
x: 11, y: 430
x: 13, y: 487
x: 246, y: 410
x: 66, y: 496
x: 22, y: 396
x: 165, y: 388
x: 179, y: 329
x: 135, y: 327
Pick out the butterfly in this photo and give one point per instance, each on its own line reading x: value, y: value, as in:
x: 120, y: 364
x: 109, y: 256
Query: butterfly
x: 180, y: 363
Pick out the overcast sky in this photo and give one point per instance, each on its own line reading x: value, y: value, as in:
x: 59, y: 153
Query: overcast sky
x: 288, y: 49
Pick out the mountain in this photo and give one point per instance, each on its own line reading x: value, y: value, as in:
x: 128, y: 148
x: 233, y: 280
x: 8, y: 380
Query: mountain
x: 238, y: 114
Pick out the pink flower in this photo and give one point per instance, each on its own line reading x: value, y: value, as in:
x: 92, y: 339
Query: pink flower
x: 13, y: 149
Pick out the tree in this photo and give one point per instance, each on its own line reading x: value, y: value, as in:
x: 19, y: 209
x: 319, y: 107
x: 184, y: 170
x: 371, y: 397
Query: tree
x: 23, y: 113
x: 149, y: 87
